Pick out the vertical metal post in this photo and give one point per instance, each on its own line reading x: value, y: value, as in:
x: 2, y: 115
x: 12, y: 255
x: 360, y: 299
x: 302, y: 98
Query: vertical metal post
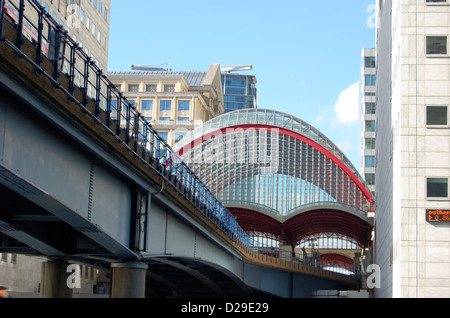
x: 73, y: 49
x: 38, y: 60
x: 57, y: 44
x: 2, y: 16
x: 127, y: 122
x: 98, y: 86
x: 136, y: 131
x: 86, y: 80
x: 119, y: 114
x: 19, y: 40
x: 108, y: 105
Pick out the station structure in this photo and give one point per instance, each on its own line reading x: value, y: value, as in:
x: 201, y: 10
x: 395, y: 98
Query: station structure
x: 285, y: 182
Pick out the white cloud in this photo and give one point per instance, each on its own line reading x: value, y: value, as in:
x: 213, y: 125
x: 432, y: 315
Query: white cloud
x: 317, y: 120
x: 347, y: 105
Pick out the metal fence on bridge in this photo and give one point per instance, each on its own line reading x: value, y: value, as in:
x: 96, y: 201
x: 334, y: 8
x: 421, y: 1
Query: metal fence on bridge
x: 121, y: 118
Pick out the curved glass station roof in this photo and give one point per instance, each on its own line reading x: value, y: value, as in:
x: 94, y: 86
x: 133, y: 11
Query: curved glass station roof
x: 278, y: 166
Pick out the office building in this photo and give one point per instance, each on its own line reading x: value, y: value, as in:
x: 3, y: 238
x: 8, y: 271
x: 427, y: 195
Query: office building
x: 239, y: 90
x: 367, y: 108
x: 174, y: 103
x: 412, y: 236
x: 87, y: 22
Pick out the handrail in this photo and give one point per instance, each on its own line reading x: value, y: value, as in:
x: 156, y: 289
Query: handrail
x: 123, y: 119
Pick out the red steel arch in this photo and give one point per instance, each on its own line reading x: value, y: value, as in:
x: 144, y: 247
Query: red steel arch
x: 286, y: 132
x: 291, y: 230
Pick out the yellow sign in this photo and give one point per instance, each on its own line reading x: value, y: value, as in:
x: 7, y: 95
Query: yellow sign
x: 438, y: 215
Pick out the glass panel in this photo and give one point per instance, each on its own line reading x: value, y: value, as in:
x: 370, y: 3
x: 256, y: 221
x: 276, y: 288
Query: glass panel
x: 146, y: 105
x: 436, y: 115
x: 436, y: 45
x: 184, y: 105
x: 165, y: 105
x: 437, y: 187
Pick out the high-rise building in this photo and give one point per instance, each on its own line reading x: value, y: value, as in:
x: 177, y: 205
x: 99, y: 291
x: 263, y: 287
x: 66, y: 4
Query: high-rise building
x: 174, y: 103
x: 239, y: 91
x: 412, y: 148
x: 368, y: 117
x: 87, y: 22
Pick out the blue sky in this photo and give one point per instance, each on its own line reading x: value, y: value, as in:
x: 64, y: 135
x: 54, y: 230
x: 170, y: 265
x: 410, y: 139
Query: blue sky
x: 306, y: 55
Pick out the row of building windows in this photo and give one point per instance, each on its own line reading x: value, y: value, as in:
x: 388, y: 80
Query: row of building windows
x: 164, y: 105
x: 134, y: 88
x: 435, y: 116
x: 436, y: 187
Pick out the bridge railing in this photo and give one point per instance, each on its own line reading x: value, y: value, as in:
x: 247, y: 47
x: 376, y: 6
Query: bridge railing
x: 88, y: 85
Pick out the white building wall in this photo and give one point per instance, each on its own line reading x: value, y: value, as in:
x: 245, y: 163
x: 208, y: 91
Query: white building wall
x: 414, y: 254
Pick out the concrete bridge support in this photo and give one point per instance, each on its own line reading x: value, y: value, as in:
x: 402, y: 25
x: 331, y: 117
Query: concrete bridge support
x: 54, y: 280
x: 128, y: 280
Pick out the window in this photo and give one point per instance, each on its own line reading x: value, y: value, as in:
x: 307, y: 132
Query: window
x: 436, y: 1
x: 147, y: 105
x: 437, y: 115
x: 179, y: 135
x: 436, y: 45
x: 370, y: 108
x: 150, y: 87
x: 164, y: 118
x: 370, y: 178
x: 184, y: 105
x: 370, y: 125
x: 369, y: 161
x: 164, y: 135
x: 169, y: 88
x: 133, y: 87
x: 370, y: 143
x: 165, y: 105
x: 369, y: 80
x: 183, y: 119
x: 369, y: 61
x: 437, y: 187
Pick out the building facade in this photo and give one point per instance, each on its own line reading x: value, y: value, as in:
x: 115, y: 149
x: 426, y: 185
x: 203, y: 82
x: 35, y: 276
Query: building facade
x: 87, y: 22
x: 412, y: 148
x: 239, y: 91
x: 174, y: 103
x: 368, y: 117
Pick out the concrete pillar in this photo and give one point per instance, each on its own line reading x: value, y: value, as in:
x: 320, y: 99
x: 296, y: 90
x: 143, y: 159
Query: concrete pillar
x: 54, y: 280
x: 128, y: 280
